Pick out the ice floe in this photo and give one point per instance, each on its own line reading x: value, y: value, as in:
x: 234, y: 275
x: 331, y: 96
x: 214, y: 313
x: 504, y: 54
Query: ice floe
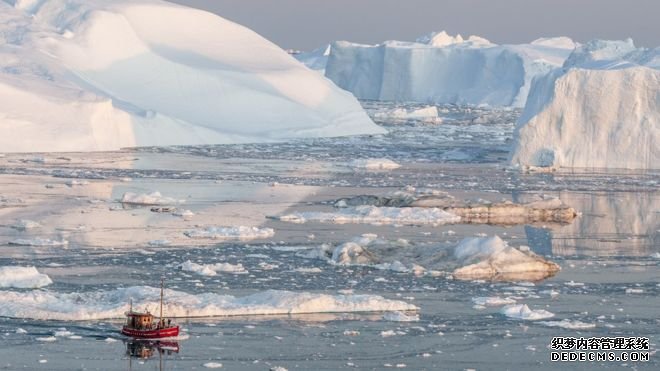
x: 23, y: 277
x: 25, y: 224
x: 493, y: 259
x: 375, y: 215
x: 427, y: 114
x: 568, y: 324
x: 213, y: 269
x: 523, y: 312
x: 493, y: 301
x: 228, y: 233
x: 374, y: 164
x: 37, y: 241
x: 154, y: 198
x: 400, y: 317
x: 76, y: 306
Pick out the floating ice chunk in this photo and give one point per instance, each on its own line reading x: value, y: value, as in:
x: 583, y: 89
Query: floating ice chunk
x: 308, y: 270
x: 351, y: 253
x: 213, y: 269
x: 47, y: 339
x: 397, y: 266
x: 376, y: 215
x: 154, y: 198
x: 21, y: 331
x: 492, y: 259
x: 24, y: 224
x: 427, y: 114
x: 493, y: 301
x: 23, y: 277
x: 186, y: 214
x: 374, y: 164
x: 388, y: 333
x: 212, y: 365
x: 278, y: 368
x: 522, y: 312
x: 400, y: 317
x: 159, y: 243
x: 634, y: 291
x: 568, y: 324
x: 62, y: 332
x: 76, y: 182
x: 96, y: 305
x: 38, y: 242
x: 227, y: 233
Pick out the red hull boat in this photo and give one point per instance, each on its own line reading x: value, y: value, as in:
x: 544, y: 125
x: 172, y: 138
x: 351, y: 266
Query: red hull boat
x: 151, y: 334
x: 141, y: 325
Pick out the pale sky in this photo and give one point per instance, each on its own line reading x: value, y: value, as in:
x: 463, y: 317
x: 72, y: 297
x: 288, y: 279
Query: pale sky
x: 307, y: 24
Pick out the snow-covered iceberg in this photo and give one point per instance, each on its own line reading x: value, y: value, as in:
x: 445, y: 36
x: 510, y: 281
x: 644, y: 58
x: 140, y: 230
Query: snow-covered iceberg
x: 50, y: 305
x: 601, y: 110
x: 23, y: 278
x: 441, y: 68
x: 493, y: 259
x: 86, y: 75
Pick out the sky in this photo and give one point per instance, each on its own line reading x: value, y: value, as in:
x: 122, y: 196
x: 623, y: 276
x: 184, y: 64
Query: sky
x: 308, y: 24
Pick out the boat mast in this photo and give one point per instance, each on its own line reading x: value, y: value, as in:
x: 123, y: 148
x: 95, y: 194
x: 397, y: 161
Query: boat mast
x: 161, y: 298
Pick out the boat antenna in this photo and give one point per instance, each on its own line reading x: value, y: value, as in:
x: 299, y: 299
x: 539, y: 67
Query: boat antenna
x: 131, y: 307
x: 161, y: 297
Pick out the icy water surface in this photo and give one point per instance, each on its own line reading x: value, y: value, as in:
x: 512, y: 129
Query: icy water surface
x: 608, y: 285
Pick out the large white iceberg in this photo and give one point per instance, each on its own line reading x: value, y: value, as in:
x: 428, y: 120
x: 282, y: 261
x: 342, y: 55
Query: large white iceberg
x: 441, y: 68
x: 37, y: 304
x: 85, y: 75
x: 601, y: 110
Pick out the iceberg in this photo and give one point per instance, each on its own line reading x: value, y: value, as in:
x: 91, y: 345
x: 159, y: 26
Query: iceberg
x: 51, y: 305
x: 601, y: 110
x: 440, y: 68
x: 98, y: 75
x: 23, y: 278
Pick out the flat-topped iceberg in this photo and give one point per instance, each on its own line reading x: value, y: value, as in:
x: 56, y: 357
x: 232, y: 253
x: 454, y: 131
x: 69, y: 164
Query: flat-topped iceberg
x: 112, y: 304
x: 440, y: 68
x: 92, y: 75
x: 601, y: 110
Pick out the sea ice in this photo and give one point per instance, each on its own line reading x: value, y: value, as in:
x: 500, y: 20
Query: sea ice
x: 374, y: 164
x: 38, y: 242
x: 493, y: 301
x: 212, y: 269
x: 568, y: 324
x: 226, y: 233
x: 522, y: 312
x: 375, y: 215
x: 491, y: 258
x: 154, y: 198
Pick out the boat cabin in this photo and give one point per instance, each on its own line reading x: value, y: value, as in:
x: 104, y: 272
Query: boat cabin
x: 140, y: 321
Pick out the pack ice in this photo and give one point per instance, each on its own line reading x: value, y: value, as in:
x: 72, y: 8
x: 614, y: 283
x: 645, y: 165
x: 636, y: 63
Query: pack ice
x: 601, y: 110
x: 100, y: 75
x: 440, y: 68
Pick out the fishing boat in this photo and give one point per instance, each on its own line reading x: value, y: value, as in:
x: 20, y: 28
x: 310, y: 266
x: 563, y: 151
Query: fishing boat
x: 142, y: 325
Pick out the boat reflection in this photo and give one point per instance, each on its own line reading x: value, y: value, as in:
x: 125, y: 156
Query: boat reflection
x: 145, y: 349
